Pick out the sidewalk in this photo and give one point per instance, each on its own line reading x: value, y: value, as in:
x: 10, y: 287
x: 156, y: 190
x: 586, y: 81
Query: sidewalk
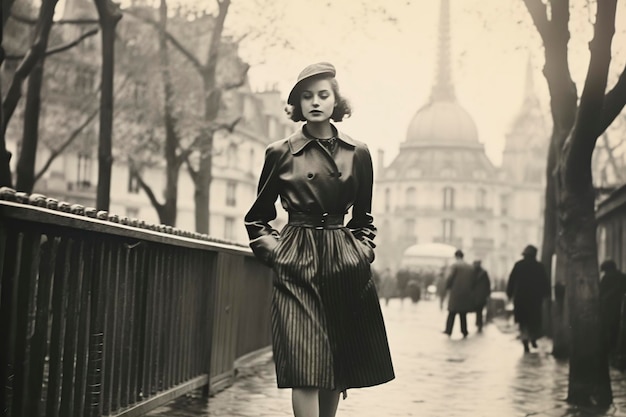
x: 484, y: 375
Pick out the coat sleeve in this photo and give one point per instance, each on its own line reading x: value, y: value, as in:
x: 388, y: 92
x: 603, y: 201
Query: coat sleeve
x: 263, y: 237
x: 362, y: 222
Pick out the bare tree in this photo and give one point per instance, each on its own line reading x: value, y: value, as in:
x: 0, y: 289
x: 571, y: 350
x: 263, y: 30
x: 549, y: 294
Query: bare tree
x: 109, y: 15
x: 577, y: 126
x: 202, y: 145
x: 26, y: 161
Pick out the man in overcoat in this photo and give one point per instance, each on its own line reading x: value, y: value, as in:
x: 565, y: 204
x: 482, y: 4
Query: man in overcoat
x: 460, y: 300
x: 528, y: 285
x: 612, y: 291
x: 482, y: 289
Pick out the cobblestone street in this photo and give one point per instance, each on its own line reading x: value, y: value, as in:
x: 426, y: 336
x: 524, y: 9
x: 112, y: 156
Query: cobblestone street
x: 484, y: 375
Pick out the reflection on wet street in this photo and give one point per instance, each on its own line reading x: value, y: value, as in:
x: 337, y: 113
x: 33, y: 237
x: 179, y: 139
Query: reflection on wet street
x: 486, y: 374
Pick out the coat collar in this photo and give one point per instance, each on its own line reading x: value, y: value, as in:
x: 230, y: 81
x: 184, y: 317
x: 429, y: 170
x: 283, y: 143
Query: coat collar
x: 299, y: 140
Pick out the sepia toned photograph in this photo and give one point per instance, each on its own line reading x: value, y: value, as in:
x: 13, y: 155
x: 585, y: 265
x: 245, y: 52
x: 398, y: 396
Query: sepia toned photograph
x: 297, y: 208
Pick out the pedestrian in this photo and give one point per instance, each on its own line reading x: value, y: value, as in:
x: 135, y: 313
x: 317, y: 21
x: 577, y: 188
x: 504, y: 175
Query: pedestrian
x: 459, y: 284
x: 441, y: 288
x: 612, y: 290
x: 328, y: 333
x: 528, y: 285
x: 388, y: 287
x: 482, y: 290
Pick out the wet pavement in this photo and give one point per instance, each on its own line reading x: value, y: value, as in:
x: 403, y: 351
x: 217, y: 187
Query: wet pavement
x: 486, y: 374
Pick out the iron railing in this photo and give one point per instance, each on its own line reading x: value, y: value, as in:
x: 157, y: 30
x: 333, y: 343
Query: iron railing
x: 100, y: 318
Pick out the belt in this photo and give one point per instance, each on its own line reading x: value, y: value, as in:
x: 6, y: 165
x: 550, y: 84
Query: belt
x: 318, y: 221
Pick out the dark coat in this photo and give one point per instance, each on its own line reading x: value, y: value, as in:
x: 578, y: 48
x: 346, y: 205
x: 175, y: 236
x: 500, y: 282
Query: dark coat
x: 612, y: 291
x: 528, y: 285
x: 309, y: 181
x: 482, y: 287
x: 327, y: 326
x: 461, y: 284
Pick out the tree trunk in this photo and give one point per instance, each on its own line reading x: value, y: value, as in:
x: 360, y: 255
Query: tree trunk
x: 26, y: 161
x: 172, y: 162
x: 589, y: 381
x: 108, y: 15
x: 212, y: 101
x: 5, y: 155
x: 36, y: 52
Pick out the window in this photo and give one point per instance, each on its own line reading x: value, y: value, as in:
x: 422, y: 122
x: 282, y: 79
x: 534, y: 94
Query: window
x: 84, y: 80
x: 133, y: 183
x: 231, y: 155
x: 448, y: 198
x: 387, y: 200
x: 83, y: 173
x: 229, y: 228
x: 448, y: 229
x: 481, y: 199
x: 504, y: 204
x: 410, y: 197
x: 231, y: 193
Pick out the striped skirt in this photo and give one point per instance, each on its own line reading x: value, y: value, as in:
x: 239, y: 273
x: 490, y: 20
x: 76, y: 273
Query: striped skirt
x: 327, y: 326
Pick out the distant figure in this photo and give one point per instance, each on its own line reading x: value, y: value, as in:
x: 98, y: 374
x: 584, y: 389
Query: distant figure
x: 459, y: 283
x: 527, y: 287
x: 387, y: 285
x: 441, y: 287
x: 402, y: 281
x: 482, y: 289
x: 612, y: 290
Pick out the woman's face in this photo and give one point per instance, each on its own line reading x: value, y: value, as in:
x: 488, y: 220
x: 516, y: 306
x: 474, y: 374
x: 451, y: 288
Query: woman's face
x: 317, y: 100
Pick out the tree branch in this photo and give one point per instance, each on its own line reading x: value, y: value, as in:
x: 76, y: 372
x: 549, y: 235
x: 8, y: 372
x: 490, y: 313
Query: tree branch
x: 614, y: 102
x: 61, y: 48
x: 539, y: 13
x: 229, y: 126
x: 32, y: 21
x: 192, y: 172
x: 56, y: 152
x: 34, y: 54
x: 612, y: 161
x: 145, y: 187
x: 170, y: 38
x: 590, y: 110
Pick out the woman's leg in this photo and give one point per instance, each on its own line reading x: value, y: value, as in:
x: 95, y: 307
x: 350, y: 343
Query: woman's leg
x: 328, y: 400
x: 305, y: 402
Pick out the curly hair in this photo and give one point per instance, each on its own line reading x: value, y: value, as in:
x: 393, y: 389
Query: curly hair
x: 342, y: 107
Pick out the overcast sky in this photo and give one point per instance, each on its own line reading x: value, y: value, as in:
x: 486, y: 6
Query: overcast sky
x: 386, y: 59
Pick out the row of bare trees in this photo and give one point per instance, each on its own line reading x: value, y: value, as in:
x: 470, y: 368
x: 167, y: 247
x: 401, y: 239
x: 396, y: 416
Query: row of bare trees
x: 176, y: 150
x: 570, y: 227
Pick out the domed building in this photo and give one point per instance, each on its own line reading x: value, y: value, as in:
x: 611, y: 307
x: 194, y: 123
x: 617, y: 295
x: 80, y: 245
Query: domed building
x: 442, y: 187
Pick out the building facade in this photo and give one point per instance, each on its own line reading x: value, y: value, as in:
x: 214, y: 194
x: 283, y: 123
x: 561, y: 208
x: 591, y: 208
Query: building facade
x: 442, y: 187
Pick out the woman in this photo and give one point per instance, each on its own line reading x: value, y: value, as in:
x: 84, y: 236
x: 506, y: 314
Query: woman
x: 327, y: 329
x: 527, y: 287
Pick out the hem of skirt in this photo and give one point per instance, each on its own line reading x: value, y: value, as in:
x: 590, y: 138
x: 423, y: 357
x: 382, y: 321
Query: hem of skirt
x: 341, y: 388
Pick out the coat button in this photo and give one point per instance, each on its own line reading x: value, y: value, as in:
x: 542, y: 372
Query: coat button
x: 339, y: 175
x: 310, y: 175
